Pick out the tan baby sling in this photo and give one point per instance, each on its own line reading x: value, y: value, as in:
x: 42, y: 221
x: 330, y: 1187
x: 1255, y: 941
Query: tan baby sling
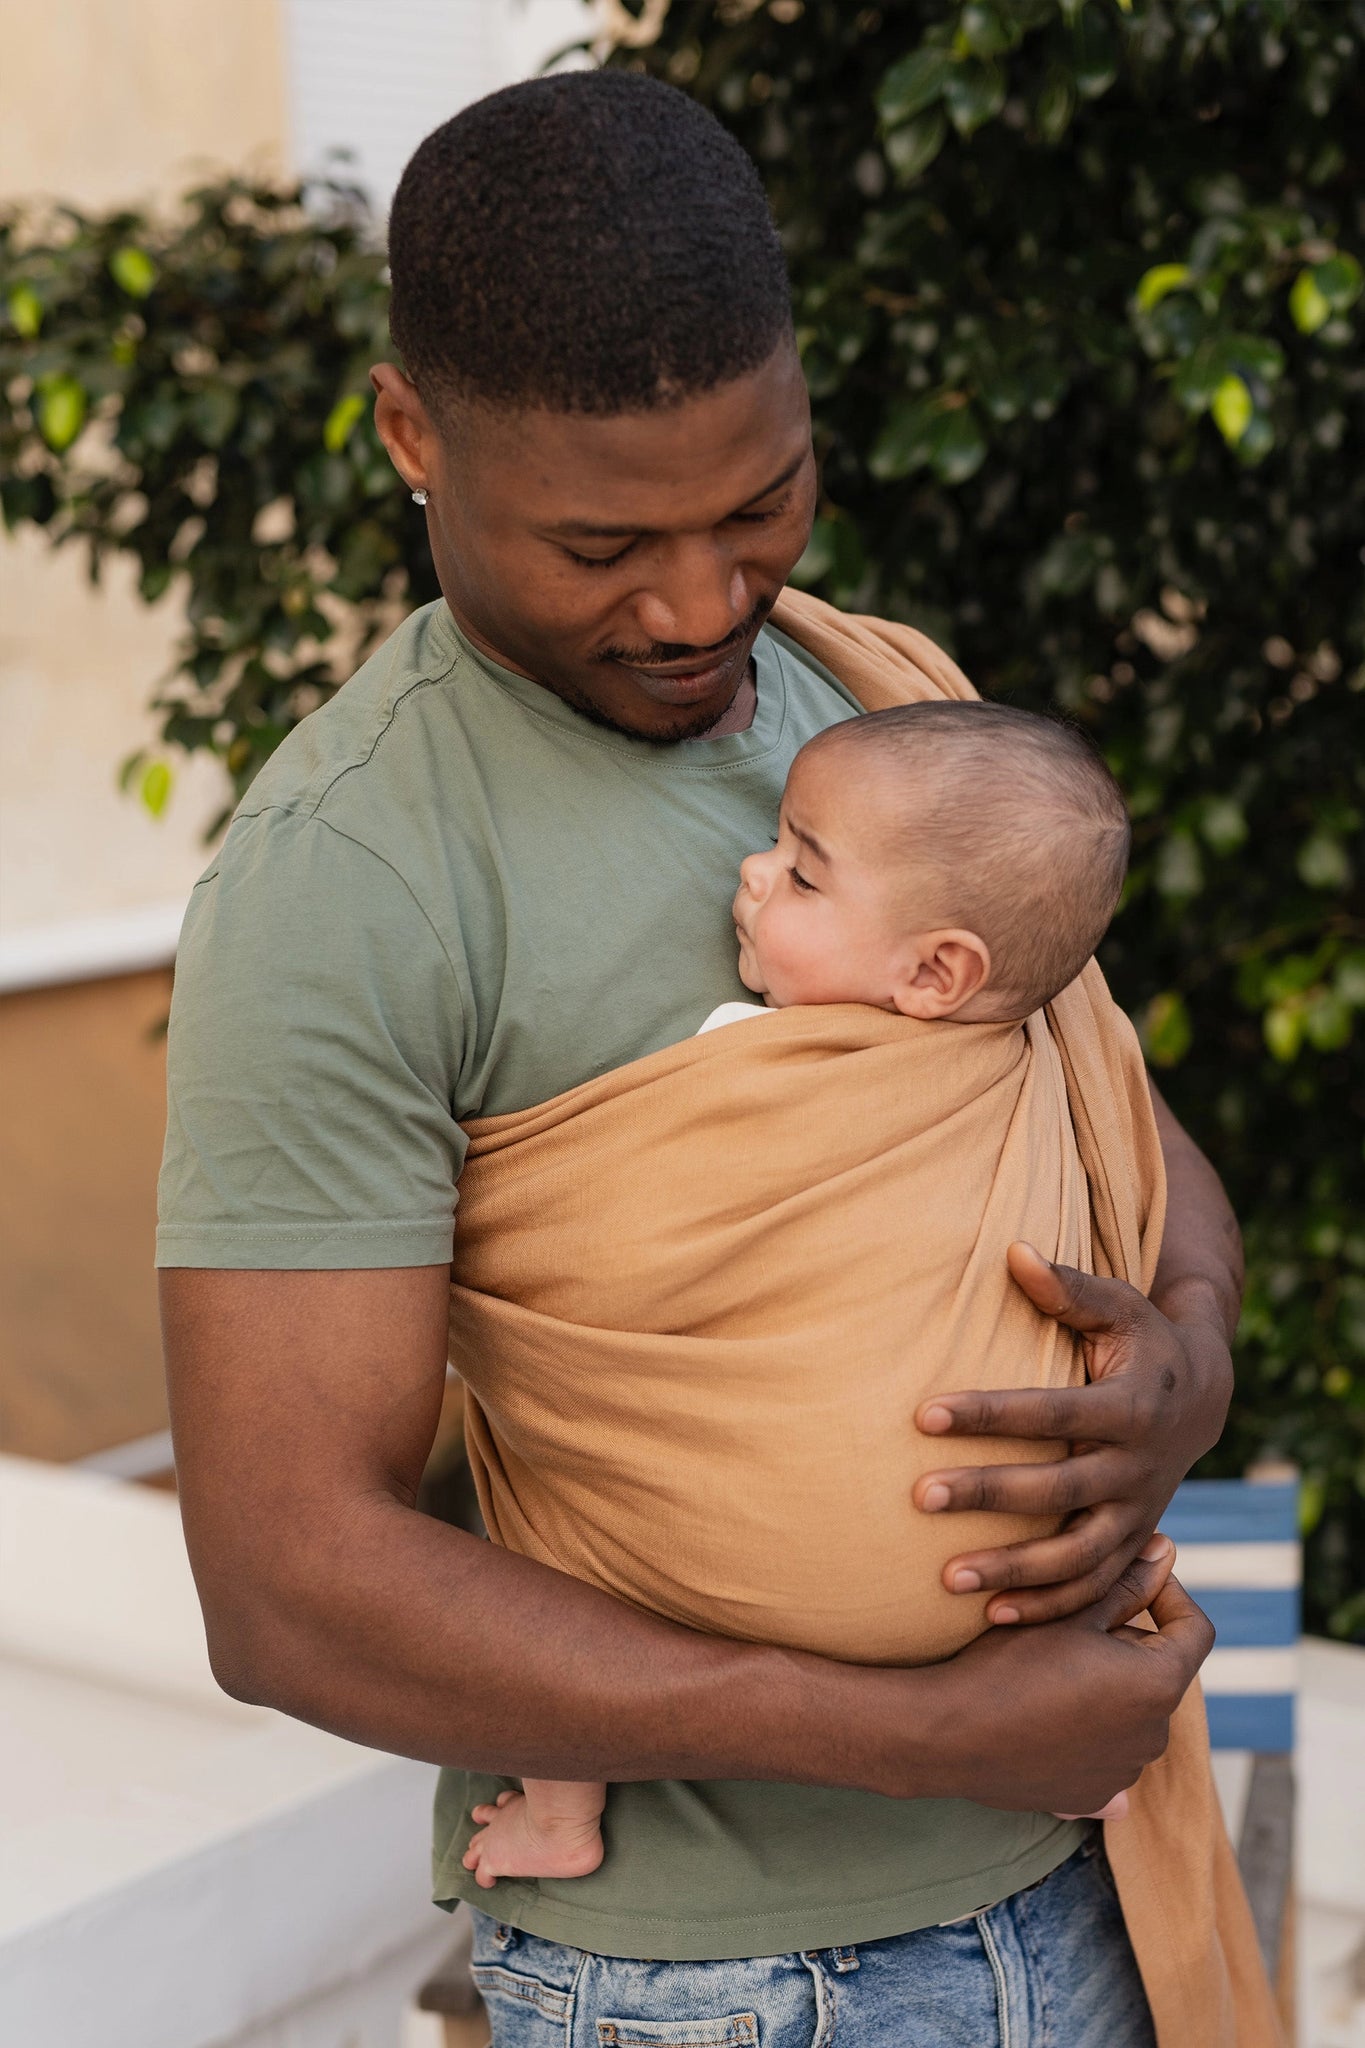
x: 693, y: 1251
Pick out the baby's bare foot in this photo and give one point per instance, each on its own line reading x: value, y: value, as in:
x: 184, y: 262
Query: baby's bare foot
x: 511, y: 1843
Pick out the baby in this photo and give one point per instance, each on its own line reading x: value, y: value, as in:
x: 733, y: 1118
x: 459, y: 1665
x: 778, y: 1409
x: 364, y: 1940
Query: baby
x: 946, y: 861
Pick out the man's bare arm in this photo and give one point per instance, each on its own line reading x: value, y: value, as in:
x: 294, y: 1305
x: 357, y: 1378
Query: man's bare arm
x: 304, y: 1407
x: 1160, y: 1381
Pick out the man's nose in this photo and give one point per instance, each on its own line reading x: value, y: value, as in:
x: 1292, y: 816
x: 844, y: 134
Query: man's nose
x: 697, y: 599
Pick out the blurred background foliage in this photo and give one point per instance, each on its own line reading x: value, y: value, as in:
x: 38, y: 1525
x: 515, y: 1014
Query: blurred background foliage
x: 1078, y: 292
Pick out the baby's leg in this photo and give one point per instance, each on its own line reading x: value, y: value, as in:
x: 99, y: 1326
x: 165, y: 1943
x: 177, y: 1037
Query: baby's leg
x: 551, y: 1828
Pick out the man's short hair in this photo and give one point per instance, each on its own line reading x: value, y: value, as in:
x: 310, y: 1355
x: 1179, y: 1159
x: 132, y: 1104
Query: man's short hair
x: 1018, y: 821
x: 593, y: 242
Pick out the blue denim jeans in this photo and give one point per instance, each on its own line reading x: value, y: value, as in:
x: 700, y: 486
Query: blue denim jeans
x: 1049, y: 1968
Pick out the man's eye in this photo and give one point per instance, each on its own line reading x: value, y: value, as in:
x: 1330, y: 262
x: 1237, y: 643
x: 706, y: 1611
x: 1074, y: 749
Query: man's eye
x: 800, y: 881
x: 600, y: 561
x: 770, y: 512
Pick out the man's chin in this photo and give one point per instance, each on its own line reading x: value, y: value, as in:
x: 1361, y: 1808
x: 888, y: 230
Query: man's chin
x: 665, y: 724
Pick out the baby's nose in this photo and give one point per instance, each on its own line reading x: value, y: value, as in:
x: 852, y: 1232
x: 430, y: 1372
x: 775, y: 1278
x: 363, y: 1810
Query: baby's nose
x: 751, y: 874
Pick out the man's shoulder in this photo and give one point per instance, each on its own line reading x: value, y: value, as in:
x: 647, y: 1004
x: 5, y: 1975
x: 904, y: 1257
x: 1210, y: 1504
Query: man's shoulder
x: 364, y: 729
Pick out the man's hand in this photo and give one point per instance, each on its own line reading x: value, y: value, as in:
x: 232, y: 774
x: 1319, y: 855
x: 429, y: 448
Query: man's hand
x: 1083, y: 1705
x: 1132, y: 1435
x: 1161, y: 1379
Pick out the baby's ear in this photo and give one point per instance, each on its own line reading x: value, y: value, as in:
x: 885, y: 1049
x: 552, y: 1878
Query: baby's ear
x: 943, y: 973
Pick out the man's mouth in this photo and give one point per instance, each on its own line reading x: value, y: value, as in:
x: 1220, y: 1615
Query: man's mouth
x: 696, y: 674
x: 687, y: 684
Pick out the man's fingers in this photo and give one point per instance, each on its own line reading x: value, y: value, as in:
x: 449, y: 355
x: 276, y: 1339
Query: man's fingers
x: 1080, y: 1300
x: 1104, y: 1412
x: 1060, y: 1486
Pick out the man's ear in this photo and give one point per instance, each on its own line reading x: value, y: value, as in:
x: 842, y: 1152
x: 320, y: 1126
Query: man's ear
x: 404, y: 425
x: 943, y: 973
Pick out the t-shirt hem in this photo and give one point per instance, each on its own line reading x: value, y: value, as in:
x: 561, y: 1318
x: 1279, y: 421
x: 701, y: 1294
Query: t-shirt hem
x: 294, y: 1248
x: 783, y: 1931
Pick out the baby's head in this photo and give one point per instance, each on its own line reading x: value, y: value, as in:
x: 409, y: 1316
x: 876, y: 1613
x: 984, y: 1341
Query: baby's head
x: 943, y: 860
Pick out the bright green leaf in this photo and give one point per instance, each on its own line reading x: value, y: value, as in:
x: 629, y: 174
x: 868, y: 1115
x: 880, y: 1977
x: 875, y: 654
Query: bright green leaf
x: 1312, y: 1501
x: 25, y: 311
x: 133, y: 271
x: 1283, y: 1027
x: 340, y: 421
x: 1232, y: 408
x: 1166, y: 1031
x: 61, y: 411
x: 1154, y: 284
x: 912, y: 84
x: 155, y: 787
x: 1309, y: 306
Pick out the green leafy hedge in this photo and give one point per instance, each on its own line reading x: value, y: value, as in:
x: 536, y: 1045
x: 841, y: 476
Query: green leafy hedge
x: 1079, y: 296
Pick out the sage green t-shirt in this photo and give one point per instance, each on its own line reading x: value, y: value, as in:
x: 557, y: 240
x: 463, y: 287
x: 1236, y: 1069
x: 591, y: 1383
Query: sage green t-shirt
x: 448, y: 894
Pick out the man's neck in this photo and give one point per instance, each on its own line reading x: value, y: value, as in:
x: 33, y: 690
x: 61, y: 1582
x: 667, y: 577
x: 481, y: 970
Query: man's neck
x: 738, y: 714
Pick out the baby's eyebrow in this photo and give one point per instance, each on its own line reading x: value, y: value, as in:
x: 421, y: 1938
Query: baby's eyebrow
x: 807, y: 839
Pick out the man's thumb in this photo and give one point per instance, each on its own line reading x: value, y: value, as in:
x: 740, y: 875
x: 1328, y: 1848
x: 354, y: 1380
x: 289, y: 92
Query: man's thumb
x: 1136, y: 1588
x: 1080, y: 1300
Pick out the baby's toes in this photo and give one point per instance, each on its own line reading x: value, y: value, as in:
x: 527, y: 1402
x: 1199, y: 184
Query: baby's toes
x: 482, y: 1814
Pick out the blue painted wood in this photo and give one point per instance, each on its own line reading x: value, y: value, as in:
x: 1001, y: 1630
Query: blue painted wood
x: 1233, y: 1511
x: 1251, y: 1720
x: 1250, y: 1618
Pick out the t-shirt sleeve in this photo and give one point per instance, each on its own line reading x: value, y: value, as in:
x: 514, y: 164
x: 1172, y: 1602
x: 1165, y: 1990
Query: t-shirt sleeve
x: 315, y: 1042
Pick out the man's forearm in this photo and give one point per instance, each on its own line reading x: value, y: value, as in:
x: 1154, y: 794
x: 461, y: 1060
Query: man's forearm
x: 409, y: 1636
x: 1200, y: 1272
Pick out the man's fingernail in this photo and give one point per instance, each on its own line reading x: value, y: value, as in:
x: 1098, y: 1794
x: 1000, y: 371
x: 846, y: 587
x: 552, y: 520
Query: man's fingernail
x: 1156, y: 1546
x: 937, y: 1418
x: 935, y: 1497
x: 965, y: 1581
x: 1003, y: 1616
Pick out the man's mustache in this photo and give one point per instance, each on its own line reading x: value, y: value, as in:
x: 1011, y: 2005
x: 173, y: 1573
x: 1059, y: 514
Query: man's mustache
x: 666, y: 653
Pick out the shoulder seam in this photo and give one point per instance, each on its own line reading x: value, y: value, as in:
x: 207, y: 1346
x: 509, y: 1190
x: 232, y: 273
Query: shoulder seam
x: 310, y: 806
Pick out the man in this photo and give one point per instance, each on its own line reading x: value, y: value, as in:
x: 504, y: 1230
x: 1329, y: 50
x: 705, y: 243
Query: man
x: 533, y: 798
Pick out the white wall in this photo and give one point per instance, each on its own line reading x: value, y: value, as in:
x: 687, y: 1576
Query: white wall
x: 375, y: 80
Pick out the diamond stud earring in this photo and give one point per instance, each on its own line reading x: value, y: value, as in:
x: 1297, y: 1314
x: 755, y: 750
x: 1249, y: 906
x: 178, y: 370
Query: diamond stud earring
x: 419, y: 497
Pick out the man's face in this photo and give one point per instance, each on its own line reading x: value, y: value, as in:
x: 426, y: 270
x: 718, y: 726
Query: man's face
x: 627, y: 562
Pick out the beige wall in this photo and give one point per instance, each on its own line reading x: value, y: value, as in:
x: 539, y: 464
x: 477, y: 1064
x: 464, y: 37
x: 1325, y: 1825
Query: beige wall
x: 104, y: 101
x: 110, y: 100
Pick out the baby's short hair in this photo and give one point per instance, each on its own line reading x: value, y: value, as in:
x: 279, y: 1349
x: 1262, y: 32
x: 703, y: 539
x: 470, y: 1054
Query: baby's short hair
x: 1021, y: 821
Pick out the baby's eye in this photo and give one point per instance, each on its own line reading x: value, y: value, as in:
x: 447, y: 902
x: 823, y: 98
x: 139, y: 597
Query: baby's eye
x: 800, y: 881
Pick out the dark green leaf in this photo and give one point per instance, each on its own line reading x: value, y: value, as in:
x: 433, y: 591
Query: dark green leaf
x: 974, y: 93
x: 913, y: 147
x: 914, y: 82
